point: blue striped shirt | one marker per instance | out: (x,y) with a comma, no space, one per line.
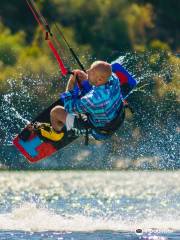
(101,103)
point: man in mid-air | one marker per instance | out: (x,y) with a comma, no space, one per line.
(95,94)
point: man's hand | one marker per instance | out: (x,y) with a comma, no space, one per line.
(78,76)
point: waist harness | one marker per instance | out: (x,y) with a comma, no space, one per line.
(113,125)
(100,133)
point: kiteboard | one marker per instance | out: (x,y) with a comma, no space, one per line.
(35,147)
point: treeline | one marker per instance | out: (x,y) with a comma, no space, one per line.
(145,33)
(101,29)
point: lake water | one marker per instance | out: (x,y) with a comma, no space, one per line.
(98,205)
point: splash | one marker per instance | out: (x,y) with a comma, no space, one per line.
(31,218)
(155,118)
(21,103)
(8,124)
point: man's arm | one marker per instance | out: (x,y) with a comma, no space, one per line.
(78,76)
(72,104)
(71,83)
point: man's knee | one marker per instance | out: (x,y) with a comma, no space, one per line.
(58,113)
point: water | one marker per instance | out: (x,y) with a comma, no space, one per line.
(89,205)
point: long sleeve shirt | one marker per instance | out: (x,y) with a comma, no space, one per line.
(101,103)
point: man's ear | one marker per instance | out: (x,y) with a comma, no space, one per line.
(100,80)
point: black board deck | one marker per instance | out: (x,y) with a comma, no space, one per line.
(35,147)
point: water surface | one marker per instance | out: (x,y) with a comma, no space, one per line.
(89,205)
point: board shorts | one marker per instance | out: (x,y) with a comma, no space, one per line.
(70,121)
(79,122)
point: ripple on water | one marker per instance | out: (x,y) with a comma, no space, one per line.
(89,201)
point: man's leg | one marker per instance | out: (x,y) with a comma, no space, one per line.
(58,119)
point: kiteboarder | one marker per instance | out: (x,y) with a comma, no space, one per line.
(92,100)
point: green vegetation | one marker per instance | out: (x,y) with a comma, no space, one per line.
(100,29)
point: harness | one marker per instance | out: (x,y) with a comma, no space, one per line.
(113,125)
(82,123)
